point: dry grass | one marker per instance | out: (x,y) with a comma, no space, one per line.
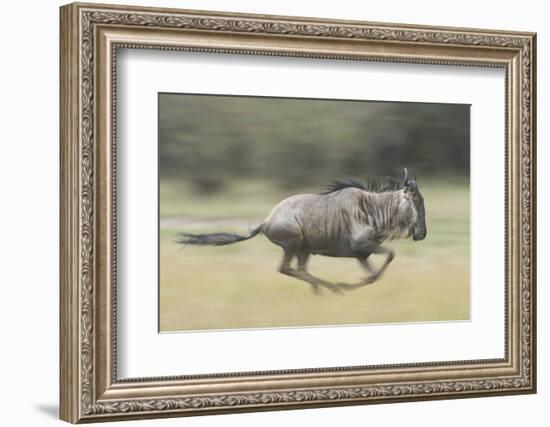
(238,286)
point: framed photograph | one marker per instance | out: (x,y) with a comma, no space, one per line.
(266,212)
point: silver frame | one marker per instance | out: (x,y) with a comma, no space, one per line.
(90,37)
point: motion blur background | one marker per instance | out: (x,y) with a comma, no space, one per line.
(226,161)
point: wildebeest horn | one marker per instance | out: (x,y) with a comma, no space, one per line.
(405,179)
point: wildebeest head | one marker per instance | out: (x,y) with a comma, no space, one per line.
(418,230)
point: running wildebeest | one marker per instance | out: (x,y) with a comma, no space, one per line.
(348,220)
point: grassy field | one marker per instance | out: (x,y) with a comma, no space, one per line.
(238,286)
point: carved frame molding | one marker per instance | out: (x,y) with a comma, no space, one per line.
(90,37)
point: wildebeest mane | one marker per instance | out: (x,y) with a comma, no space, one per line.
(373,185)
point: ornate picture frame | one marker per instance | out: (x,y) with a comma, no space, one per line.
(90,37)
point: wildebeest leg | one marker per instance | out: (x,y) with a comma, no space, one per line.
(285,268)
(366,265)
(302,274)
(390,255)
(374,276)
(310,278)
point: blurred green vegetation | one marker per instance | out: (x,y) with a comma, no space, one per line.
(210,140)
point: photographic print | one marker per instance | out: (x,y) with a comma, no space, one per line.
(287,212)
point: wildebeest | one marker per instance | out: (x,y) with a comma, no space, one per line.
(349,219)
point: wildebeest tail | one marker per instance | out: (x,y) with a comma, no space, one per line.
(216,239)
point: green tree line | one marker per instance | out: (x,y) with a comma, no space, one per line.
(211,140)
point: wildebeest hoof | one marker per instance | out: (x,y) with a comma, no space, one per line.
(334,288)
(347,286)
(316,290)
(371,279)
